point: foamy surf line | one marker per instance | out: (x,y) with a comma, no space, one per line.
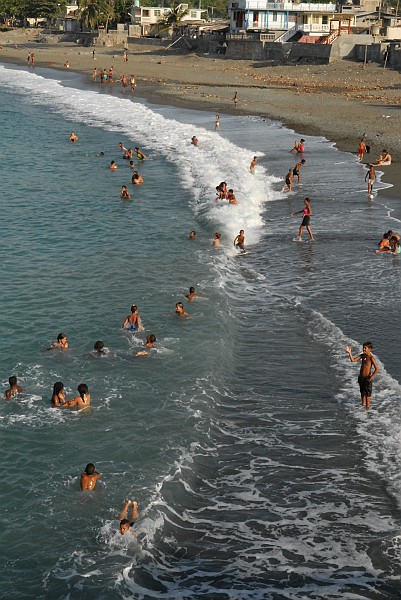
(380,428)
(201,169)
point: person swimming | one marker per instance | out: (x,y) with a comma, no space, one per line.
(81,401)
(58,396)
(179,310)
(194,140)
(216,240)
(136,178)
(239,241)
(126,524)
(133,321)
(191,294)
(73,137)
(140,155)
(113,166)
(14,388)
(150,343)
(61,343)
(125,195)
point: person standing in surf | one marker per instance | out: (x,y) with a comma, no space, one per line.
(239,241)
(371,177)
(365,374)
(307,213)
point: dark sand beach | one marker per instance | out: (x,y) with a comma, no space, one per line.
(341,101)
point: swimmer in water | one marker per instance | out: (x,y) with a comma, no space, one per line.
(113,166)
(253,165)
(89,477)
(131,165)
(136,178)
(125,195)
(231,197)
(150,343)
(61,343)
(307,213)
(58,396)
(133,321)
(100,348)
(191,294)
(365,374)
(239,241)
(14,388)
(126,524)
(384,244)
(179,310)
(81,401)
(192,235)
(217,123)
(140,155)
(194,140)
(128,154)
(73,138)
(216,240)
(122,148)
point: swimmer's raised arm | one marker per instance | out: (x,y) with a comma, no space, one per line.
(352,358)
(124,511)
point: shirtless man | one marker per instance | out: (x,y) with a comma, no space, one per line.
(194,140)
(100,348)
(61,343)
(365,374)
(14,388)
(192,235)
(89,477)
(371,177)
(81,401)
(191,294)
(179,310)
(150,343)
(231,197)
(296,172)
(136,178)
(122,148)
(239,241)
(216,240)
(125,195)
(125,524)
(384,160)
(113,166)
(73,137)
(288,182)
(253,165)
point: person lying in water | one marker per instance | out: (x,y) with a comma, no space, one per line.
(126,524)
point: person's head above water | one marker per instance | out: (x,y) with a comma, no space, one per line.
(151,338)
(125,526)
(90,469)
(57,388)
(192,234)
(192,290)
(134,308)
(12,380)
(82,389)
(99,346)
(61,336)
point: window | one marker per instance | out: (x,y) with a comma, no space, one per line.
(145,13)
(315,19)
(275,17)
(325,20)
(194,14)
(157,13)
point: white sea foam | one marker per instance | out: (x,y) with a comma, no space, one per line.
(202,168)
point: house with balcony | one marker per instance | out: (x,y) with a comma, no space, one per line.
(313,19)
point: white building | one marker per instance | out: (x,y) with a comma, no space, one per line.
(262,15)
(147,16)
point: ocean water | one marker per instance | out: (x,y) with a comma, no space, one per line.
(257,473)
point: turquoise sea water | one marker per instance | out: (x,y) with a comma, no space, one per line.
(256,473)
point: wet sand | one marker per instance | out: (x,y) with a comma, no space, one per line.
(341,101)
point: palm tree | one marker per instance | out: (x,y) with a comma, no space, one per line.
(91,12)
(172,19)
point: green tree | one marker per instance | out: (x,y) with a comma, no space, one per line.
(171,20)
(11,9)
(43,9)
(95,12)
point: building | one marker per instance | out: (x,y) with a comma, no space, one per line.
(147,17)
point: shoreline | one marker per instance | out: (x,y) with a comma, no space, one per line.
(310,99)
